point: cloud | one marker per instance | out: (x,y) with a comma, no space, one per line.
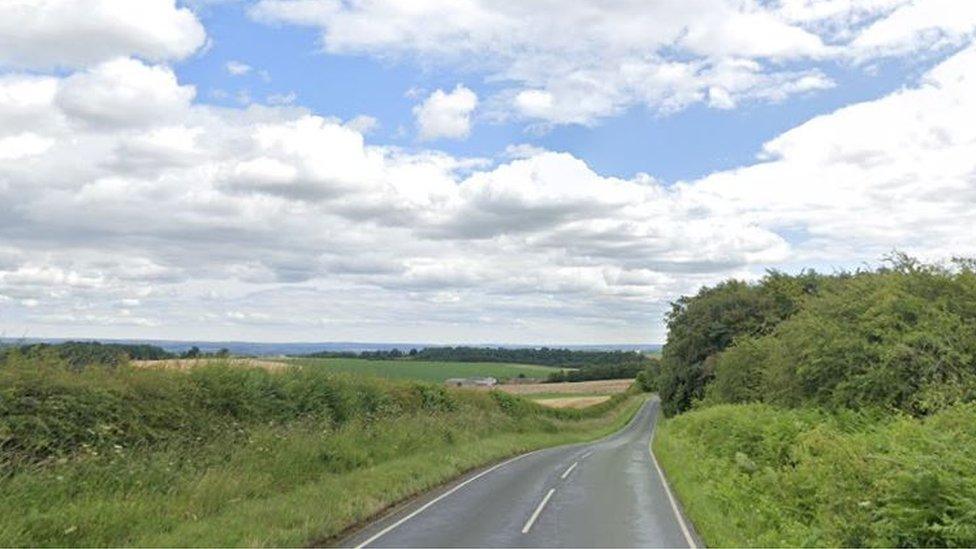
(76,33)
(918,26)
(579,62)
(236,68)
(897,172)
(363,124)
(446,115)
(523,150)
(21,145)
(119,192)
(123,92)
(282,98)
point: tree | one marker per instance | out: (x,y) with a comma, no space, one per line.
(703,325)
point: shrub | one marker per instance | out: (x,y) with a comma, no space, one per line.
(900,339)
(757,475)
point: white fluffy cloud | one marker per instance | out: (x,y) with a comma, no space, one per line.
(577,62)
(161,217)
(913,26)
(123,92)
(896,172)
(446,115)
(75,33)
(191,221)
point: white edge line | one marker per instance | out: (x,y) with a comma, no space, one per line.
(570,470)
(422,508)
(674,504)
(538,511)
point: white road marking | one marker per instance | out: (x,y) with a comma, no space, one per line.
(674,504)
(421,509)
(586,455)
(538,510)
(570,470)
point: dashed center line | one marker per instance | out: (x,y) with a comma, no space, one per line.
(440,497)
(538,510)
(570,470)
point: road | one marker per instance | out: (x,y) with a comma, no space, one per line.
(607,493)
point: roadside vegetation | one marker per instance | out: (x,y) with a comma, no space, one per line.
(228,455)
(825,410)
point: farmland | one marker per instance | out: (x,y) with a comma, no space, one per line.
(189,363)
(578,388)
(423,370)
(576,402)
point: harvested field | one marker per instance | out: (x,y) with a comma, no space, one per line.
(188,363)
(599,387)
(572,402)
(425,370)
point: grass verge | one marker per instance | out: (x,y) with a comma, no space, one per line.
(754,475)
(231,457)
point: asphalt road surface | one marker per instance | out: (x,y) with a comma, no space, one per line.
(608,493)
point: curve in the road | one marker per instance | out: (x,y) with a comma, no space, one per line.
(607,493)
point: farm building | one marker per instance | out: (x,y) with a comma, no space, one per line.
(471,382)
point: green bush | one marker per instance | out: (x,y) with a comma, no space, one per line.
(901,339)
(647,379)
(763,476)
(854,408)
(48,411)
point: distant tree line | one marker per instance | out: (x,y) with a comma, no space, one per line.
(603,371)
(195,352)
(79,354)
(544,356)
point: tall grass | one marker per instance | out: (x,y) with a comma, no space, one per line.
(755,475)
(235,456)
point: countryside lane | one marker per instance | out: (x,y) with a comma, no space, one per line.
(606,493)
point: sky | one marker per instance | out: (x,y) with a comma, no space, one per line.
(464,171)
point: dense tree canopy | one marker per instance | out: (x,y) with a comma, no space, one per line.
(701,326)
(902,337)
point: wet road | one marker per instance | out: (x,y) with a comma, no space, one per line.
(607,493)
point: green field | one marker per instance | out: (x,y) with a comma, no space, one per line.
(426,371)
